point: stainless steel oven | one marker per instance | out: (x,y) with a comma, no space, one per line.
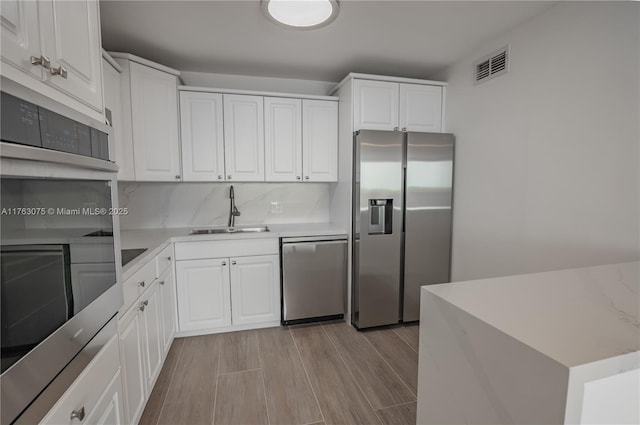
(58,258)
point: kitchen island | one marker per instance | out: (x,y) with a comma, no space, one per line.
(552,347)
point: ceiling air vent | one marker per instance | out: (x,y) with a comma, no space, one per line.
(492,65)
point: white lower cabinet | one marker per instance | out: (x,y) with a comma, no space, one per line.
(226,293)
(255,289)
(167,290)
(146,330)
(108,410)
(132,364)
(96,396)
(203,294)
(152,335)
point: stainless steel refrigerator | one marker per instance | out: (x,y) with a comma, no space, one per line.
(402,211)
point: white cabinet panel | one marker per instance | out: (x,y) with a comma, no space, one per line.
(154,117)
(244,137)
(109,409)
(420,108)
(202,136)
(168,296)
(164,260)
(20,36)
(70,32)
(131,360)
(89,389)
(219,249)
(203,294)
(255,291)
(113,113)
(283,139)
(153,338)
(89,281)
(375,105)
(320,140)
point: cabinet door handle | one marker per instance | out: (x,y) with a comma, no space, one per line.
(145,302)
(141,307)
(60,70)
(224,263)
(78,414)
(169,258)
(43,61)
(141,284)
(229,177)
(233,263)
(306,177)
(177,177)
(404,128)
(298,178)
(219,177)
(161,282)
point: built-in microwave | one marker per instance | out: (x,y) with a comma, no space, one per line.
(58,264)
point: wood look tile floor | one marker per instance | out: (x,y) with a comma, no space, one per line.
(313,374)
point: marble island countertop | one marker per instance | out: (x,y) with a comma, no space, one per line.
(157,239)
(573,316)
(553,347)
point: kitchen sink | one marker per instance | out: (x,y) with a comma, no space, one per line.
(229,230)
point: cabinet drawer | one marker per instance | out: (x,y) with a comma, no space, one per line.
(136,284)
(87,390)
(164,260)
(227,248)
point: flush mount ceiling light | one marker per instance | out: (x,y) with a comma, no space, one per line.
(301,14)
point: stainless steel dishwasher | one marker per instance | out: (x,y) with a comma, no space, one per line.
(314,278)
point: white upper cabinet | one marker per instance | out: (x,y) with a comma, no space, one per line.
(375,105)
(74,46)
(247,137)
(154,121)
(283,139)
(113,114)
(20,35)
(385,105)
(420,108)
(243,137)
(320,140)
(54,48)
(202,136)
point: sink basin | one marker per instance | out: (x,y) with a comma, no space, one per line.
(229,230)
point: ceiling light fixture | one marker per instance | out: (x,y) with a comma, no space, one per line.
(301,14)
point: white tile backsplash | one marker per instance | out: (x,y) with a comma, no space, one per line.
(160,205)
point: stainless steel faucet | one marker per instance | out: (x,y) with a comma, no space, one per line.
(233,211)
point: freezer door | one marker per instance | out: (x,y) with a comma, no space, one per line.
(377,224)
(314,279)
(429,184)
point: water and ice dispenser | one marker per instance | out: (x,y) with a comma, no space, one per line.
(380,216)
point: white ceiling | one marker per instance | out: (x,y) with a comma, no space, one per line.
(402,38)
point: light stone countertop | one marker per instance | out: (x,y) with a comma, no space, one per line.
(554,347)
(52,236)
(574,316)
(155,240)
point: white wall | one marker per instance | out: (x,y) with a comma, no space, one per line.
(547,155)
(246,82)
(158,205)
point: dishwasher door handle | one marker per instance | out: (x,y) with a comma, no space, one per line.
(296,244)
